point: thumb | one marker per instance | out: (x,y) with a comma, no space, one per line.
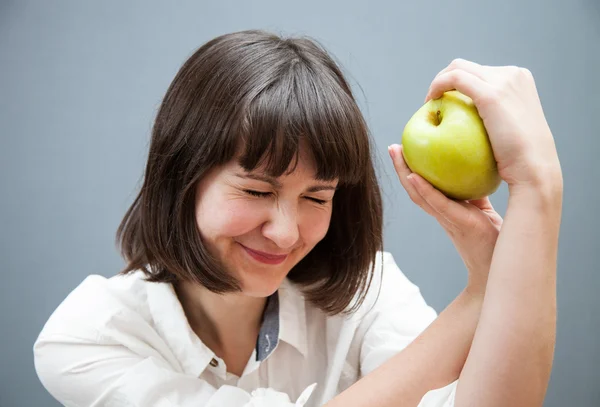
(482,203)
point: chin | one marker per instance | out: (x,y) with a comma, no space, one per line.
(256,279)
(260,291)
(256,285)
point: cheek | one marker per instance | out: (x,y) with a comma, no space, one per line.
(315,226)
(228,218)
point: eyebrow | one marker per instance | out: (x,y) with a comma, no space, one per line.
(277,185)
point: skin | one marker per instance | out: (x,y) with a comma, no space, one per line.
(235,210)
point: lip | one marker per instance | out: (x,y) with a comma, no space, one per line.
(265,258)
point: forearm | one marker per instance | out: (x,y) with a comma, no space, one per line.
(510,360)
(433,360)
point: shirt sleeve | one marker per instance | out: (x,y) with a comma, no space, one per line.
(79,372)
(393,321)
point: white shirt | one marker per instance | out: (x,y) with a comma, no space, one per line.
(123,341)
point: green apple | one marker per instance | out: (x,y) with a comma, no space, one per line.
(446,143)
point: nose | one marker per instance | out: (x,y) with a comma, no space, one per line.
(282,227)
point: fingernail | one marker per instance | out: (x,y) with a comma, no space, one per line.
(390,152)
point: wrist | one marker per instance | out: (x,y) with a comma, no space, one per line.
(474,291)
(543,196)
(546,182)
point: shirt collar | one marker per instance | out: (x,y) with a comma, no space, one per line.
(292,317)
(193,355)
(172,325)
(268,336)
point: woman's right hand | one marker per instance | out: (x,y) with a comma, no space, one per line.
(507,101)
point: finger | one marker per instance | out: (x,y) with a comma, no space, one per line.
(421,192)
(469,66)
(453,212)
(400,164)
(485,205)
(463,81)
(459,63)
(403,173)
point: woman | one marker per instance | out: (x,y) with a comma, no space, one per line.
(255,266)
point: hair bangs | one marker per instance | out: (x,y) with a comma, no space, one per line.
(304,109)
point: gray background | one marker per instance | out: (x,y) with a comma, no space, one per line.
(80,83)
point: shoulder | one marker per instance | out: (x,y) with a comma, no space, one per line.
(389,286)
(97,302)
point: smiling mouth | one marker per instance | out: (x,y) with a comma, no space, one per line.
(263,257)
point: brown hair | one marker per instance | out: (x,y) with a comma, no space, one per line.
(265,94)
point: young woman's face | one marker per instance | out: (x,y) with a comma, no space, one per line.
(260,228)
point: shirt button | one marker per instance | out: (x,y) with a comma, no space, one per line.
(214,362)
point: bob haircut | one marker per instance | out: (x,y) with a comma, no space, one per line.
(255,96)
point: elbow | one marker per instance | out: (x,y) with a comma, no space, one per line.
(46,360)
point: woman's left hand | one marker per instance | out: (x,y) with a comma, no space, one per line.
(473,226)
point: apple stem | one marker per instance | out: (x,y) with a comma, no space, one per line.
(435,118)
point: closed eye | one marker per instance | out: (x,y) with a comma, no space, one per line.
(319,201)
(260,194)
(257,193)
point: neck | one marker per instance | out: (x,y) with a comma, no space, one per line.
(221,321)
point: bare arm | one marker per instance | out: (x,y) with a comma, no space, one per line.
(511,357)
(434,359)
